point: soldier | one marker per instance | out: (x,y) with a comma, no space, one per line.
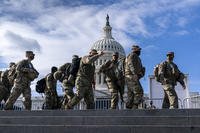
(62,75)
(25,74)
(6,75)
(169,76)
(114,76)
(69,82)
(85,81)
(6,84)
(51,96)
(133,72)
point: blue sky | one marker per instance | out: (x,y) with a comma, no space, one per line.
(55,30)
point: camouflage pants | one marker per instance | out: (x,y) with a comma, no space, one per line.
(51,101)
(69,94)
(4,94)
(84,90)
(170,97)
(134,94)
(114,94)
(16,92)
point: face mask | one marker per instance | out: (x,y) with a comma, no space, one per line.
(171,58)
(31,57)
(138,53)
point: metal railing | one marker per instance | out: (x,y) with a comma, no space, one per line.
(15,107)
(104,103)
(192,102)
(157,102)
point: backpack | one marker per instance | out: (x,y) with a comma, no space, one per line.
(157,71)
(75,66)
(40,85)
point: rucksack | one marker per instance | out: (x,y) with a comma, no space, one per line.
(75,66)
(157,71)
(40,85)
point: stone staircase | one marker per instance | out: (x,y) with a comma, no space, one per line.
(101,121)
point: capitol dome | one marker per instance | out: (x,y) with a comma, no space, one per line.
(109,45)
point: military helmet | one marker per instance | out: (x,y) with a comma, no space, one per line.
(170,53)
(115,54)
(29,53)
(136,48)
(54,69)
(75,56)
(57,75)
(11,64)
(93,51)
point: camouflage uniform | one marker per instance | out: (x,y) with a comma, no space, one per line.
(4,93)
(68,86)
(133,67)
(170,74)
(84,81)
(113,79)
(6,84)
(25,74)
(51,96)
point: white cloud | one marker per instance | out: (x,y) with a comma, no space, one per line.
(182,21)
(21,43)
(163,21)
(182,32)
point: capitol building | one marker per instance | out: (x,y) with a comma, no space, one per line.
(102,97)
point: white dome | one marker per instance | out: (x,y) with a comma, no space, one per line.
(108,45)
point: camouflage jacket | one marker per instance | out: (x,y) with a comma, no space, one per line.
(111,70)
(65,69)
(4,79)
(133,65)
(25,72)
(170,73)
(87,68)
(51,84)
